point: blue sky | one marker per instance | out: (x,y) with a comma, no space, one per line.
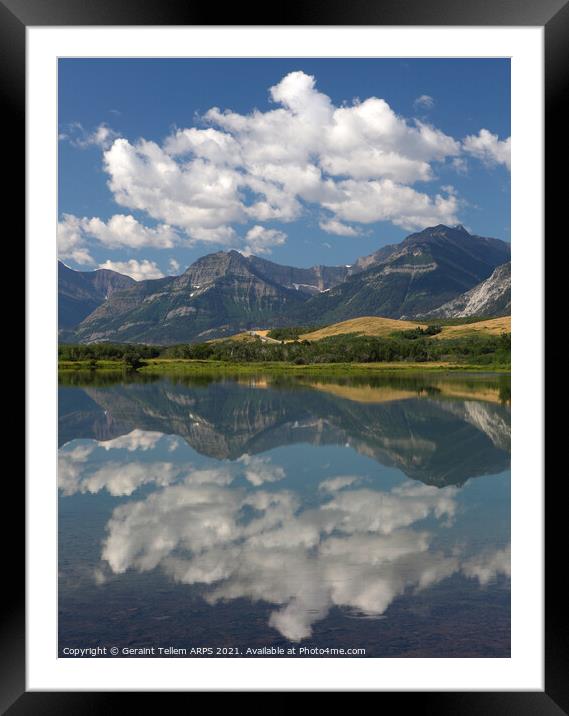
(304,161)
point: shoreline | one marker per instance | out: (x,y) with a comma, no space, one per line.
(188,366)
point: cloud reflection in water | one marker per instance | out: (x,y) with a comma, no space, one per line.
(358,548)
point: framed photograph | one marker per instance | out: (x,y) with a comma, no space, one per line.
(280,433)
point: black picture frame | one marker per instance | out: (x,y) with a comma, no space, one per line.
(553,15)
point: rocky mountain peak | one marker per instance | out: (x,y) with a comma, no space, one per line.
(212,267)
(435,233)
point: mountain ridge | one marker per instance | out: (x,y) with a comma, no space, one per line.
(215,293)
(226,291)
(491,297)
(81,292)
(424,271)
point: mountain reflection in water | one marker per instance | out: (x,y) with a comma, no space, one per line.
(440,433)
(310,500)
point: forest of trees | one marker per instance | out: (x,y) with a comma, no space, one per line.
(412,346)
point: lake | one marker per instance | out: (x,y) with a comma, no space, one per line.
(246,516)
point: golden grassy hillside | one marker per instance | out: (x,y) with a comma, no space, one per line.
(384,327)
(493,326)
(366,325)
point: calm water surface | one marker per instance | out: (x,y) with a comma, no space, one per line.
(270,512)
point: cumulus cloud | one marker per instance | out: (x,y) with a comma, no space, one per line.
(76,236)
(71,241)
(488,148)
(385,200)
(305,153)
(333,226)
(198,196)
(138,270)
(209,144)
(120,231)
(260,240)
(220,181)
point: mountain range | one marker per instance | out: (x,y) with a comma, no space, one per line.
(440,271)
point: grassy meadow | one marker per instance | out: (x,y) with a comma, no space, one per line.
(369,343)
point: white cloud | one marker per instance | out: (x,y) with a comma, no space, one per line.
(275,165)
(360,161)
(425,101)
(138,270)
(333,226)
(125,231)
(71,241)
(209,144)
(197,196)
(102,136)
(488,148)
(384,200)
(121,231)
(260,240)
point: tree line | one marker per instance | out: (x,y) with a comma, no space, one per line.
(348,348)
